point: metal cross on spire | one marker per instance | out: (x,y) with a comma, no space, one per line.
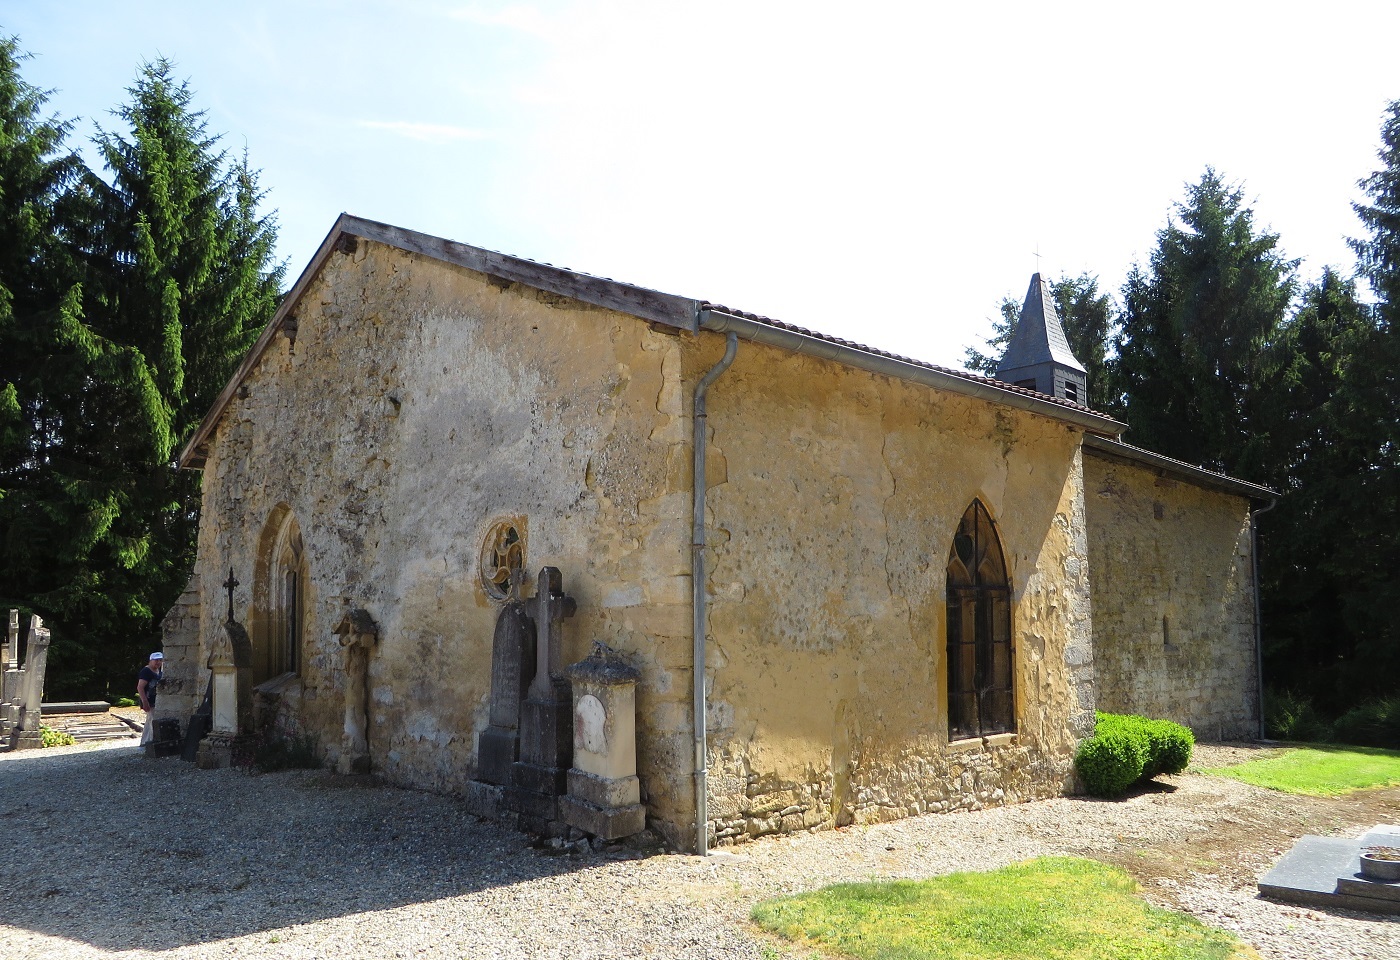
(229,584)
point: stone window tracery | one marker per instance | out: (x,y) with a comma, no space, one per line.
(502,558)
(981,675)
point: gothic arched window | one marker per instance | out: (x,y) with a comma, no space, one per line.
(289,599)
(981,678)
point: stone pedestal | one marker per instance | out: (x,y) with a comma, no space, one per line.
(215,752)
(604,796)
(230,663)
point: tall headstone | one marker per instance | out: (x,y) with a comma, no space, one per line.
(604,793)
(9,680)
(32,686)
(512,670)
(540,776)
(231,665)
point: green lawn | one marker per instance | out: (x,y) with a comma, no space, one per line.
(1051,908)
(1319,771)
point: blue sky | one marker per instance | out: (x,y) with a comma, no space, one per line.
(884,172)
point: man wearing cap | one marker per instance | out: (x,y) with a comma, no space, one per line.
(146,690)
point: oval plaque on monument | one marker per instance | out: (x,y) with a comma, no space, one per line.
(590,723)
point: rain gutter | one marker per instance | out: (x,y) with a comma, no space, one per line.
(699,419)
(1258,621)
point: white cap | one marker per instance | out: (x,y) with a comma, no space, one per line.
(157,656)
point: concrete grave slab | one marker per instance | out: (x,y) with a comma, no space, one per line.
(1325,872)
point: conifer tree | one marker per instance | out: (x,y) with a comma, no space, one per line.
(54,505)
(1368,422)
(171,281)
(1306,416)
(1194,326)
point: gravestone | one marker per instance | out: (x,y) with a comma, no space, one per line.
(512,670)
(604,794)
(540,776)
(231,663)
(9,680)
(31,687)
(1326,872)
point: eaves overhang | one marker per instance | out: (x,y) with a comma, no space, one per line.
(1120,452)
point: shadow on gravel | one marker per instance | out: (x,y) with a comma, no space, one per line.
(1136,790)
(117,851)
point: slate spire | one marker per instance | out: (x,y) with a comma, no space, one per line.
(1038,355)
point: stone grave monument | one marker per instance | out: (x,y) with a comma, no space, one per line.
(231,663)
(512,671)
(539,777)
(24,686)
(604,796)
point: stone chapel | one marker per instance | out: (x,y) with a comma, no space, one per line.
(847,586)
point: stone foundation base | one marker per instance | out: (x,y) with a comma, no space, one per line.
(541,827)
(353,764)
(605,792)
(609,823)
(215,752)
(484,800)
(497,750)
(528,803)
(535,792)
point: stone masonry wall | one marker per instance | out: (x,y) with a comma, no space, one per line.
(834,495)
(419,403)
(184,676)
(1173,607)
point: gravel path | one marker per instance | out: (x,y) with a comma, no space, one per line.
(107,852)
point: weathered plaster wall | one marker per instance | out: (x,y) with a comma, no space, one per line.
(1173,611)
(833,498)
(419,403)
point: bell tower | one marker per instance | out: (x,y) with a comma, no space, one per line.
(1038,356)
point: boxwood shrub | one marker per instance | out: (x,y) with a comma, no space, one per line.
(1127,749)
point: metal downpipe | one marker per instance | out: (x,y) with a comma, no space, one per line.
(1258,621)
(697,582)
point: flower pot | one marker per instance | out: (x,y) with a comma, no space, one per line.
(1374,868)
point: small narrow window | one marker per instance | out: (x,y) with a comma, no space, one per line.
(1071,391)
(291,565)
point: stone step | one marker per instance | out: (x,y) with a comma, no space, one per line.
(105,732)
(82,706)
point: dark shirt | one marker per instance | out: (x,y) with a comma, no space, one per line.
(152,678)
